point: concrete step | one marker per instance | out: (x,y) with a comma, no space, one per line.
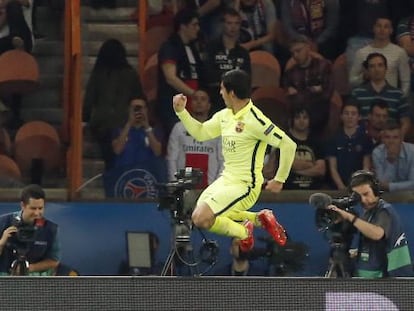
(43,98)
(92,167)
(51,81)
(50,64)
(91,48)
(117,15)
(91,149)
(45,47)
(52,115)
(89,62)
(125,32)
(118,3)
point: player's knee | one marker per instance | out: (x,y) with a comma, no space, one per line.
(201,220)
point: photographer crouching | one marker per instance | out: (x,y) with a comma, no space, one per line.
(383,248)
(29,242)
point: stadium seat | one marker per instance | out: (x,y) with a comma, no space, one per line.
(37,141)
(36,128)
(272,102)
(156,36)
(340,75)
(265,69)
(9,168)
(150,77)
(19,73)
(334,115)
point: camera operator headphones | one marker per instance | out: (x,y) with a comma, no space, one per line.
(364,176)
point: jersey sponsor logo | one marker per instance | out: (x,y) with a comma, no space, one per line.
(136,183)
(269,129)
(239,127)
(228,145)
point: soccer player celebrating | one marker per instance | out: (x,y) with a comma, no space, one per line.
(245,132)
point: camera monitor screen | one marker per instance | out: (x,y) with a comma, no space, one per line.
(139,249)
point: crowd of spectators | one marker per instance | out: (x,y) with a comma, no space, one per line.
(212,37)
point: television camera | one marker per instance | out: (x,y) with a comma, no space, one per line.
(20,244)
(176,197)
(339,233)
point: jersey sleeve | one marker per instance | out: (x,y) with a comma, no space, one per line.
(201,131)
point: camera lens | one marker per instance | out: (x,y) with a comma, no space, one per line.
(137,108)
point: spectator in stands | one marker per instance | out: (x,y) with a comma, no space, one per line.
(184,151)
(405,38)
(223,54)
(350,149)
(258,28)
(209,12)
(136,142)
(382,247)
(357,20)
(309,167)
(309,82)
(43,253)
(112,84)
(394,160)
(377,87)
(5,144)
(15,32)
(180,66)
(376,121)
(398,72)
(316,20)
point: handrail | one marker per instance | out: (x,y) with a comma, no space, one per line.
(72,123)
(142,23)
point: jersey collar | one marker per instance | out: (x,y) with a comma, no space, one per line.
(244,110)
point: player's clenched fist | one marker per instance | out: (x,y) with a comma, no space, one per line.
(179,102)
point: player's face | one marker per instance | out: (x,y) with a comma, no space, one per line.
(226,96)
(33,210)
(368,198)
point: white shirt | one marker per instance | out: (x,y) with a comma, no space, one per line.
(183,150)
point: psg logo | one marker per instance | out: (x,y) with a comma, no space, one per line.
(136,184)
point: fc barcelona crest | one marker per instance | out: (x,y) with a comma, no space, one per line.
(239,127)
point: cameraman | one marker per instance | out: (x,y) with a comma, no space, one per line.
(383,247)
(39,246)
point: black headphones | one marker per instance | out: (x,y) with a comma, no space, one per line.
(363,176)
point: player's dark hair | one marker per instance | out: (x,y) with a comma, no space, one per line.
(239,82)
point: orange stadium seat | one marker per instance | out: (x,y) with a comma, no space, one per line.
(19,72)
(37,140)
(340,75)
(150,77)
(334,115)
(273,103)
(265,69)
(9,168)
(156,36)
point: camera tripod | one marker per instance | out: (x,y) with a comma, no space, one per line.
(20,266)
(181,250)
(338,266)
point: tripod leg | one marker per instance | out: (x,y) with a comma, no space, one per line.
(168,263)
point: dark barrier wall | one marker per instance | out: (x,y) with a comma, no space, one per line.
(93,234)
(208,293)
